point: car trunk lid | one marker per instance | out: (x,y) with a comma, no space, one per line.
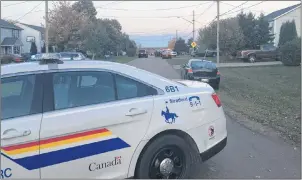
(204,72)
(194,84)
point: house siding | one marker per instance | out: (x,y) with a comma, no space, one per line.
(293,15)
(6,33)
(27,31)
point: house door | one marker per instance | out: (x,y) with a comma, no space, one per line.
(7,50)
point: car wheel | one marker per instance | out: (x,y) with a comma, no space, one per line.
(252,58)
(216,87)
(167,157)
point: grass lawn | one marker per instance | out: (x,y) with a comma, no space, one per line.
(269,95)
(123,59)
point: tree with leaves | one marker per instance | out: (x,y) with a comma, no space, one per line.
(180,45)
(189,42)
(65,26)
(231,36)
(75,26)
(247,23)
(33,48)
(262,31)
(43,49)
(86,8)
(96,38)
(288,32)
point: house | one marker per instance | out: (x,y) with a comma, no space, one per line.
(277,18)
(10,38)
(31,34)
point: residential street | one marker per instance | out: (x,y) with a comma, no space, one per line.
(248,153)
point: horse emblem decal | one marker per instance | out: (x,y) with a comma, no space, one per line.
(169,116)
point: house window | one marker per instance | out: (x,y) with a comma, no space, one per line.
(16,49)
(16,33)
(30,39)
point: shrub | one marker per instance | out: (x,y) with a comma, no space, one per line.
(290,52)
(33,48)
(288,32)
(6,59)
(131,52)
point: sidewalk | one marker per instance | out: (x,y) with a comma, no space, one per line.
(242,64)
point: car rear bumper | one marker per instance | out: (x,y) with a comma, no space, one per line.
(214,150)
(142,55)
(209,80)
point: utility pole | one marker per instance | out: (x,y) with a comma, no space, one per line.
(193,26)
(46,26)
(217,55)
(176,35)
(0,30)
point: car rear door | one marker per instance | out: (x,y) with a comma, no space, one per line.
(21,110)
(96,122)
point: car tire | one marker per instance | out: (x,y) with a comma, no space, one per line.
(252,58)
(184,155)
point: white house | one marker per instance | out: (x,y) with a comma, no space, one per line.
(11,42)
(277,18)
(31,33)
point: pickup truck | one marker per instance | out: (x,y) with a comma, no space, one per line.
(253,55)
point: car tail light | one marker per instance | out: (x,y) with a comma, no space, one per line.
(18,59)
(190,70)
(218,73)
(216,99)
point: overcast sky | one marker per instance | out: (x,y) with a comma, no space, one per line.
(147,18)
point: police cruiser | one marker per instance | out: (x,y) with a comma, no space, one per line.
(94,119)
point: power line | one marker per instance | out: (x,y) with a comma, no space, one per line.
(114,2)
(233,8)
(150,17)
(244,8)
(16,3)
(206,9)
(165,9)
(204,12)
(29,11)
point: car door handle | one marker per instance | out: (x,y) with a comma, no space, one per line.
(13,133)
(135,112)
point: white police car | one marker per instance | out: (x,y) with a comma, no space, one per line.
(93,119)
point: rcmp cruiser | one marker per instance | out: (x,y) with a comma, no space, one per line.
(94,119)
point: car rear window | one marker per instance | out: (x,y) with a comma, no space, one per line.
(142,51)
(202,64)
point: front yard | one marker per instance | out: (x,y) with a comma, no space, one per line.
(267,95)
(123,59)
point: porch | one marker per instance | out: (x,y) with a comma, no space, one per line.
(11,45)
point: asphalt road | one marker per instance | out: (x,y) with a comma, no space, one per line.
(248,154)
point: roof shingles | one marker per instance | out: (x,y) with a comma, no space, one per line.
(38,28)
(5,24)
(275,14)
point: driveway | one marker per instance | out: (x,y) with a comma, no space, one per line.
(248,153)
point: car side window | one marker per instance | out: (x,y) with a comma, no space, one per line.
(74,89)
(128,88)
(17,96)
